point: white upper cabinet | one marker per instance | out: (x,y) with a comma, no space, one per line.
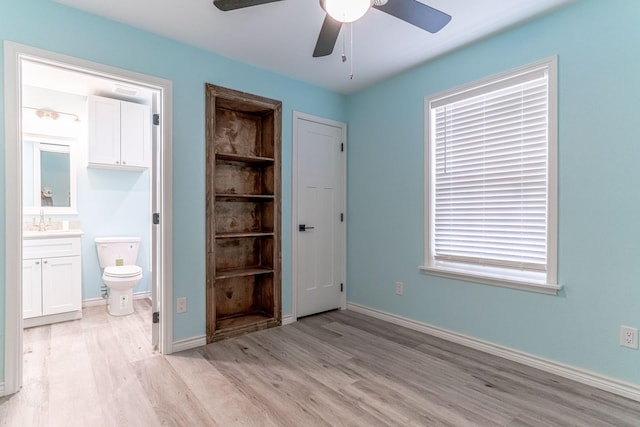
(119,134)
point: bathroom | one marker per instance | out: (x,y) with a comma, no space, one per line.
(70,192)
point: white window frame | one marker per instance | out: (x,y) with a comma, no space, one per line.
(543,282)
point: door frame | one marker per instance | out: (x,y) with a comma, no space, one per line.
(295,172)
(14,53)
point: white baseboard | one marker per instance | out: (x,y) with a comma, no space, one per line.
(51,318)
(2,388)
(200,341)
(142,295)
(188,343)
(287,320)
(93,302)
(621,388)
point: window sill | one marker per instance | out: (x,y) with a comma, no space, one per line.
(505,282)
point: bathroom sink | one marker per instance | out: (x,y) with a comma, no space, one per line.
(50,234)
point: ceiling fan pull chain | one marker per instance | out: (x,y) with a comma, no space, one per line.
(351,52)
(344,47)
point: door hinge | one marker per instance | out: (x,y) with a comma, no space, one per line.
(342,147)
(341,217)
(156,317)
(341,287)
(156,119)
(156,218)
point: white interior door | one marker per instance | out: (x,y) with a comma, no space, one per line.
(319,234)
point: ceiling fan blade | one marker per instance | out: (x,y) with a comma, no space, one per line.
(227,5)
(327,37)
(416,13)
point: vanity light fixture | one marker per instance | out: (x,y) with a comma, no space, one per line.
(49,114)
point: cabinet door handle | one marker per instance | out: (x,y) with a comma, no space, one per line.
(44,262)
(37,262)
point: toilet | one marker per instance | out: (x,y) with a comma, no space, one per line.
(117,257)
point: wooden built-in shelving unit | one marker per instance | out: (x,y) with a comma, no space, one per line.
(243,212)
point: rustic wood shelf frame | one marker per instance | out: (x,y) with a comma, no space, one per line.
(243,209)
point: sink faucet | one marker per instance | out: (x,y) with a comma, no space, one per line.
(42,226)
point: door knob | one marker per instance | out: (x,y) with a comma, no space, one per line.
(303,227)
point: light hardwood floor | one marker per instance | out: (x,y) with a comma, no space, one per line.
(333,369)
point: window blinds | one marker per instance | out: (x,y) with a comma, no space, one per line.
(489,149)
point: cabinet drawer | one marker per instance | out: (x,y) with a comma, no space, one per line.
(45,248)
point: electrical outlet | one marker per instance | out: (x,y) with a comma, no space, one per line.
(181,305)
(629,337)
(399,288)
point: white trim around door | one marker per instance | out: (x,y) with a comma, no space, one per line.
(14,54)
(295,171)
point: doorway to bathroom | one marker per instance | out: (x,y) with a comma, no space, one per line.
(48,103)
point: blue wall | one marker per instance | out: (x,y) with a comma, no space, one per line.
(48,25)
(599,206)
(113,203)
(599,201)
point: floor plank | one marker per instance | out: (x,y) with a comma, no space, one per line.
(172,401)
(225,404)
(335,369)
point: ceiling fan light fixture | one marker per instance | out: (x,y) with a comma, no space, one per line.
(346,10)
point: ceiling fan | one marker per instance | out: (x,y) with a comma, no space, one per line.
(410,11)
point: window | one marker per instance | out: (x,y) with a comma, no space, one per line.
(491,180)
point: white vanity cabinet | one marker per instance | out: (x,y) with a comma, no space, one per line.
(51,280)
(119,134)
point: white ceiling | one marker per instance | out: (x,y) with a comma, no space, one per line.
(281,36)
(60,79)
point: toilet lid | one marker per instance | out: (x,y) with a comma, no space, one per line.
(123,271)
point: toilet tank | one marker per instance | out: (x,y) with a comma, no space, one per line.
(117,250)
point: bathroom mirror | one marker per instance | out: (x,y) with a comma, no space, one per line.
(48,178)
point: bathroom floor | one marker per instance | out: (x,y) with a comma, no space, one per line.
(71,368)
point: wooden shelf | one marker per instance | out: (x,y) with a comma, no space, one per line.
(245,159)
(246,322)
(244,197)
(244,138)
(241,235)
(240,272)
